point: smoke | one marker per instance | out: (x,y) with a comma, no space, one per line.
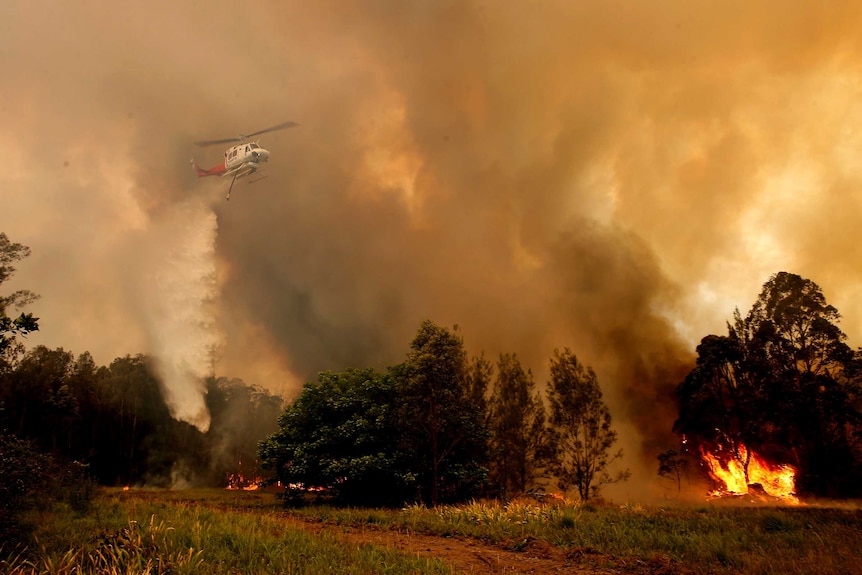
(612,178)
(178,290)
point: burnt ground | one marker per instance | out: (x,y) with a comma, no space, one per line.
(465,555)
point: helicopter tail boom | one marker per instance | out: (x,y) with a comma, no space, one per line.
(216,171)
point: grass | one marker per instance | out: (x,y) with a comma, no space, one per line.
(704,539)
(213,531)
(162,532)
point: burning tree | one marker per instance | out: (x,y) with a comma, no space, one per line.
(782,384)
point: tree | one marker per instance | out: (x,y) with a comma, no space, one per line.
(242,415)
(673,465)
(784,383)
(479,374)
(24,323)
(519,440)
(444,440)
(339,436)
(36,396)
(719,404)
(580,427)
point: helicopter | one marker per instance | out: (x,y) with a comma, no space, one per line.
(242,159)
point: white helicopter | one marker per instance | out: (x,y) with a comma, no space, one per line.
(242,159)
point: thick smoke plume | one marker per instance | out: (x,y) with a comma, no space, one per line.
(614,178)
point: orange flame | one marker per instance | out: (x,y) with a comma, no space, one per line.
(236,481)
(777,481)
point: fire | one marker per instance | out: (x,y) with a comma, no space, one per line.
(236,481)
(239,482)
(778,481)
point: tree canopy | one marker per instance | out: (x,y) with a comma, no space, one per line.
(784,383)
(25,322)
(580,427)
(337,436)
(519,437)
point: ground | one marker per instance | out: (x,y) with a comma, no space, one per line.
(465,555)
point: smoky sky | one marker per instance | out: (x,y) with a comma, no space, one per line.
(611,177)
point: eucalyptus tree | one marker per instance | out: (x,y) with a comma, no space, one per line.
(581,429)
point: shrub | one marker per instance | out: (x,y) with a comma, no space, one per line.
(33,480)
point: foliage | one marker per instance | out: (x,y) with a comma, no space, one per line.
(784,383)
(242,416)
(338,436)
(24,323)
(580,428)
(361,437)
(115,420)
(479,375)
(34,480)
(443,437)
(519,439)
(673,466)
(24,472)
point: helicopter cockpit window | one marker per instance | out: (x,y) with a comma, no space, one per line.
(254,146)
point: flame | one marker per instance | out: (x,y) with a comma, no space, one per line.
(778,481)
(237,481)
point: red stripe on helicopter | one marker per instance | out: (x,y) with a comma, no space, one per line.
(216,171)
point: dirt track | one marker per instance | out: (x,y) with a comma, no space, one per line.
(464,555)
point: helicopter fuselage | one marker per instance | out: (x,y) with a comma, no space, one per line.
(240,160)
(244,156)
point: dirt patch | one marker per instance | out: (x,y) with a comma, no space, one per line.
(465,555)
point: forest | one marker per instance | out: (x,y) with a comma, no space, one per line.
(441,426)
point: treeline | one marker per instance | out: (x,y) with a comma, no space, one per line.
(442,427)
(439,427)
(114,420)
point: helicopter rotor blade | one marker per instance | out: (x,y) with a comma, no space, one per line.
(271,129)
(244,137)
(214,142)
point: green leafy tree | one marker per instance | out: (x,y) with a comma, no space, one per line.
(580,427)
(25,322)
(339,436)
(519,439)
(444,440)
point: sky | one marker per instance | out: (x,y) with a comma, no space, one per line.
(612,177)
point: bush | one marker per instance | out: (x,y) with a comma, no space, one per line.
(33,480)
